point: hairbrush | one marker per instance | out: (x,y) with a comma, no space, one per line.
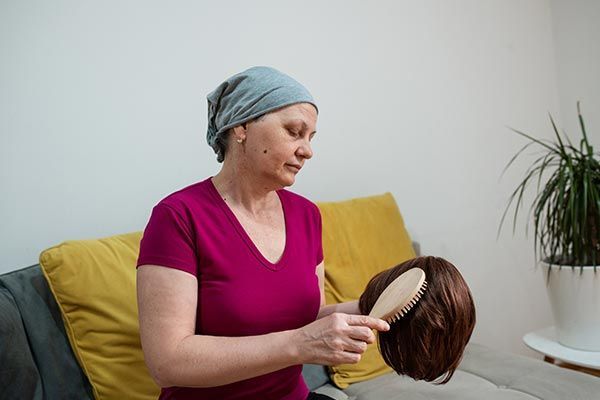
(400,296)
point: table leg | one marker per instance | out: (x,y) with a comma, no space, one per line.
(549,359)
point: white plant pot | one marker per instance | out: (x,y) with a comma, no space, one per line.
(575,302)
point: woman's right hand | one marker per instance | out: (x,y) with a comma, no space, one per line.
(337,338)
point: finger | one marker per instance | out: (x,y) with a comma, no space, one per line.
(350,357)
(365,320)
(361,333)
(355,346)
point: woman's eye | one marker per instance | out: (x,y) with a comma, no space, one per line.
(294,134)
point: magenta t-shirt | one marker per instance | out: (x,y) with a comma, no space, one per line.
(240,293)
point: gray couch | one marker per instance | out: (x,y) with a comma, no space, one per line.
(484,374)
(36,361)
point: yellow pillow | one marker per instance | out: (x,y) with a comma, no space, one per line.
(94,284)
(361,237)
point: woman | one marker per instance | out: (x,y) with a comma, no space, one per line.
(230,271)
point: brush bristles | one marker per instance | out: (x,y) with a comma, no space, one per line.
(410,304)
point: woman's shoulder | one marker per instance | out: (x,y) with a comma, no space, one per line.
(299,201)
(191,196)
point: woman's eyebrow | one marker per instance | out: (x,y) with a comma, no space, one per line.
(304,126)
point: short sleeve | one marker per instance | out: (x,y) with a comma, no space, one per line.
(319,236)
(168,241)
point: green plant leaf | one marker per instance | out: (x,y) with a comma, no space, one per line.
(538,141)
(514,158)
(566,207)
(581,123)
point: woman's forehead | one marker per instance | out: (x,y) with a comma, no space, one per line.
(302,113)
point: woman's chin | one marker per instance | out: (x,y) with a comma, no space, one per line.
(291,181)
(288,180)
(284,179)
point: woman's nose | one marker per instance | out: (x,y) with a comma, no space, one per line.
(305,150)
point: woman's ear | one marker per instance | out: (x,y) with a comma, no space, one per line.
(239,132)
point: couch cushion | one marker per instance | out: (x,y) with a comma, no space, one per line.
(485,373)
(19,377)
(314,375)
(36,360)
(361,237)
(94,282)
(333,392)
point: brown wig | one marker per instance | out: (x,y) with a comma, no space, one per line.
(430,339)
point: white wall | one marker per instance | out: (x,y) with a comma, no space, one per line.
(103,113)
(577,43)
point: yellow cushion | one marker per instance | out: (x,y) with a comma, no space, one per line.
(361,237)
(94,284)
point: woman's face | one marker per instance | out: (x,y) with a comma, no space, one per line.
(278,145)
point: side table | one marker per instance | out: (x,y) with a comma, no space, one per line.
(545,341)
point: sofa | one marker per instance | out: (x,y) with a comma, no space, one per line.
(43,330)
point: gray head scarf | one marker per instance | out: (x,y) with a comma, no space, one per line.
(248,95)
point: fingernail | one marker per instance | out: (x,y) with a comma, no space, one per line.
(387,326)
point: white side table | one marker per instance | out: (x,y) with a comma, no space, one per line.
(545,341)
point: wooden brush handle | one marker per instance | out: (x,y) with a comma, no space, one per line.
(399,294)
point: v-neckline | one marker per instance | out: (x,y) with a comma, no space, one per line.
(244,235)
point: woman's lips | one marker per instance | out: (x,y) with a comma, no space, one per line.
(294,167)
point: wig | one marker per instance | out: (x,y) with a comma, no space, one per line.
(428,342)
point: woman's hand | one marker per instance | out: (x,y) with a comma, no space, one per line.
(336,339)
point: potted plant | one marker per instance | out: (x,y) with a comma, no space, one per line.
(566,213)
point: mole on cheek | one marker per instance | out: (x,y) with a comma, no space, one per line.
(265,151)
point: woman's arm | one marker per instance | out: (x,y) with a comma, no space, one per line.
(175,356)
(350,307)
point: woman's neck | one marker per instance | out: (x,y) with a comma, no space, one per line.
(240,188)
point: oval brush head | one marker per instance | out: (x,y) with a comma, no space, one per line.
(400,296)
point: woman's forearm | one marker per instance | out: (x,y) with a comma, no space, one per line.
(206,361)
(230,359)
(350,307)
